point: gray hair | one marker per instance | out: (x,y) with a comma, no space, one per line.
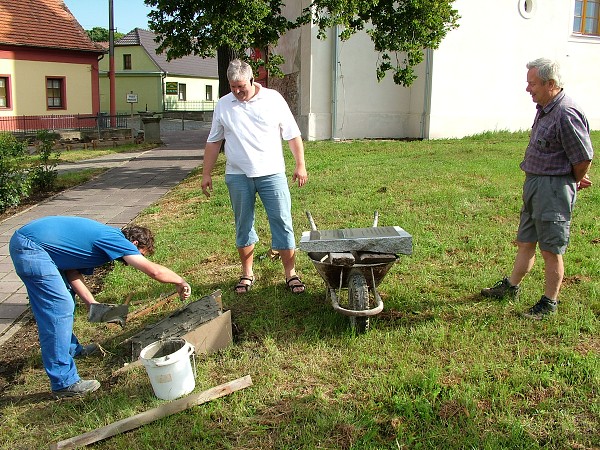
(547,70)
(239,70)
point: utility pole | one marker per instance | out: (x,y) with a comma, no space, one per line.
(111,62)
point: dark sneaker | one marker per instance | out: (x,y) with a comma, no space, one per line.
(541,309)
(88,350)
(82,387)
(501,289)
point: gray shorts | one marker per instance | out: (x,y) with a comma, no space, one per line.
(548,202)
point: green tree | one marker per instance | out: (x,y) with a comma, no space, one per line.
(14,179)
(207,27)
(400,29)
(99,34)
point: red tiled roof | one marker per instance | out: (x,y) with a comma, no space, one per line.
(42,23)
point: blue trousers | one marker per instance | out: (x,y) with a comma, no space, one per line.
(274,193)
(52,304)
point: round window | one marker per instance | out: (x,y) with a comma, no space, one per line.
(527,8)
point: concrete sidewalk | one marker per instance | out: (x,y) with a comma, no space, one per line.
(133,182)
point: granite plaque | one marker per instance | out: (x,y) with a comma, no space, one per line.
(390,239)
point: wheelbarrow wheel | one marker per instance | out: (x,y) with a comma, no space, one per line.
(358,299)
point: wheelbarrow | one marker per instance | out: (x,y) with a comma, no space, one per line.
(355,260)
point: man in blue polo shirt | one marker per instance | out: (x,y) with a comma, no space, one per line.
(556,166)
(51,255)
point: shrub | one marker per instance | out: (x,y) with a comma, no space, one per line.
(44,174)
(14,178)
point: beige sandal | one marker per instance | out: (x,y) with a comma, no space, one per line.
(295,288)
(245,286)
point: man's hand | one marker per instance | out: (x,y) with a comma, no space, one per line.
(207,185)
(184,290)
(300,176)
(585,182)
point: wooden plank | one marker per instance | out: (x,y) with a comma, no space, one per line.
(212,335)
(375,258)
(341,258)
(151,415)
(153,307)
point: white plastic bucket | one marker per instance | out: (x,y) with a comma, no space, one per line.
(168,365)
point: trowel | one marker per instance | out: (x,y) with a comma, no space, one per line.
(109,313)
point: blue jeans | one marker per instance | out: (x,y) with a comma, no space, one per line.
(275,196)
(52,303)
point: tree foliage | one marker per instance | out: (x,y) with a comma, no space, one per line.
(14,179)
(400,29)
(99,34)
(201,27)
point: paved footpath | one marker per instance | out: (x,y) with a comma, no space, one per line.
(133,182)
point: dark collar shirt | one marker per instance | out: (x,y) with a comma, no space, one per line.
(560,139)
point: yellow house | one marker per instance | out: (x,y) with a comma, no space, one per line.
(48,64)
(155,84)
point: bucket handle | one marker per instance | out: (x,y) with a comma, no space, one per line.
(166,362)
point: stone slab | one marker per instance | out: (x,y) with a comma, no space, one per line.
(187,321)
(391,239)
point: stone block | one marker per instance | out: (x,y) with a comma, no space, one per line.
(202,323)
(391,239)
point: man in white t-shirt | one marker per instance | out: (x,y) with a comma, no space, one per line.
(253,120)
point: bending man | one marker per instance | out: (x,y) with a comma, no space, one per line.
(51,255)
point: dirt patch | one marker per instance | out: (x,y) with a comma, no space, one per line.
(26,203)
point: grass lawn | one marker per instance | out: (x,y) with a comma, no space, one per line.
(440,367)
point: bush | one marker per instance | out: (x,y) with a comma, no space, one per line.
(15,182)
(44,174)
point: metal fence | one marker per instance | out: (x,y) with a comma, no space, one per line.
(203,105)
(77,122)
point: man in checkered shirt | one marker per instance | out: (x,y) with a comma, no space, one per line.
(556,166)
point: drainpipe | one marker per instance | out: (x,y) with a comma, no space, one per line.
(334,84)
(427,94)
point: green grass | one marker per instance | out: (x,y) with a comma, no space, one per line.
(440,368)
(89,153)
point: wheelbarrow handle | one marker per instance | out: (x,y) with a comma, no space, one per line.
(313,226)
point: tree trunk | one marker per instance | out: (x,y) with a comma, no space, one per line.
(224,55)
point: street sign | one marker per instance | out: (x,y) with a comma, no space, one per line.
(132,98)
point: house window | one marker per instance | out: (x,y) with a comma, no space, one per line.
(55,93)
(4,92)
(209,94)
(182,95)
(126,62)
(586,17)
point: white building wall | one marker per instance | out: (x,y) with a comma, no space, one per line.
(353,101)
(479,73)
(474,82)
